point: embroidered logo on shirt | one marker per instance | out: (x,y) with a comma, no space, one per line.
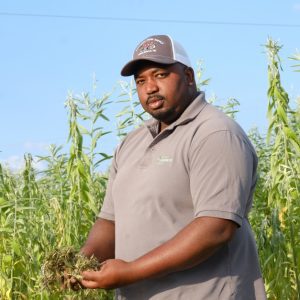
(164,160)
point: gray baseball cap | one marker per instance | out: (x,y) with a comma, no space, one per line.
(157,48)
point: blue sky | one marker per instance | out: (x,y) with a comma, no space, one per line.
(42,58)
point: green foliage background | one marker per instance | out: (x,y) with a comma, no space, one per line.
(53,208)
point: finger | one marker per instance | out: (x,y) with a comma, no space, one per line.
(89,275)
(89,284)
(73,280)
(74,284)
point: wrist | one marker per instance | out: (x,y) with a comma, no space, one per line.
(135,272)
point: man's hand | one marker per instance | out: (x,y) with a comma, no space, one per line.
(113,273)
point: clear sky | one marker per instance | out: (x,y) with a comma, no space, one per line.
(44,57)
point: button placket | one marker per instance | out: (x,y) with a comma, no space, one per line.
(147,158)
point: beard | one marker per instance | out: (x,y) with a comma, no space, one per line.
(166,116)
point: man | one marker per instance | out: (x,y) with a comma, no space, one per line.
(174,220)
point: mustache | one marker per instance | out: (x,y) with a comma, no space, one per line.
(155,97)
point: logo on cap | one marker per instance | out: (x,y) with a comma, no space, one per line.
(148,46)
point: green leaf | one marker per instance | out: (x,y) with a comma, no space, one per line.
(292,137)
(83,130)
(16,247)
(296,146)
(282,113)
(7,259)
(2,201)
(104,117)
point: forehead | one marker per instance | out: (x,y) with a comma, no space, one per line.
(145,66)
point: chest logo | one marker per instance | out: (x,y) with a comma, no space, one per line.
(164,160)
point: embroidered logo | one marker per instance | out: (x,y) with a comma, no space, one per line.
(148,46)
(164,160)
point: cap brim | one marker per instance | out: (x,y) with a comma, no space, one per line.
(131,67)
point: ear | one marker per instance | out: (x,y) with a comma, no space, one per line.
(190,76)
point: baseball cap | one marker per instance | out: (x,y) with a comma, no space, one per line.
(157,48)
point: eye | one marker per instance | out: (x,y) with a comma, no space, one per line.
(139,81)
(161,75)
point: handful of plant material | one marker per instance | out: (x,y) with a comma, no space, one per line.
(61,265)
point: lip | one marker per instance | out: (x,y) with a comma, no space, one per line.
(155,103)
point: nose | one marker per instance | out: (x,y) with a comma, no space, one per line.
(151,86)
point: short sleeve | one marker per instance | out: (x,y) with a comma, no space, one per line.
(222,175)
(107,209)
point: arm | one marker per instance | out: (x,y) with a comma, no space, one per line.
(101,240)
(191,246)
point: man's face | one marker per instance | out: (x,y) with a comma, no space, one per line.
(164,90)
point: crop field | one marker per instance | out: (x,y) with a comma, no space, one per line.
(41,211)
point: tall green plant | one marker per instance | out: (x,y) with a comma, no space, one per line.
(42,210)
(132,115)
(277,218)
(82,162)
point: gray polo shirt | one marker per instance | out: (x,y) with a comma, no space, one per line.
(201,165)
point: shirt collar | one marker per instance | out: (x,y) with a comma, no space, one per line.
(189,114)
